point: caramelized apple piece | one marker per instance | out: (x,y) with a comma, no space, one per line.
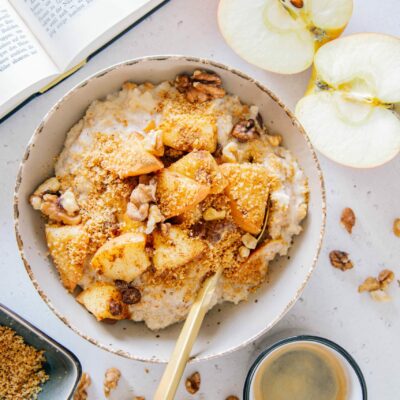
(202,167)
(174,248)
(177,194)
(123,257)
(248,191)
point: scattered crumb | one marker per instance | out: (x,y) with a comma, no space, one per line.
(111,379)
(81,390)
(396,227)
(192,383)
(348,219)
(377,286)
(340,259)
(139,398)
(146,370)
(232,398)
(21,367)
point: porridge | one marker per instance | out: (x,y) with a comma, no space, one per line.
(155,187)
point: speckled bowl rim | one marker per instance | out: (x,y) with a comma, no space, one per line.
(161,58)
(305,338)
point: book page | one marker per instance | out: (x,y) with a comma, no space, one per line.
(70,29)
(23,62)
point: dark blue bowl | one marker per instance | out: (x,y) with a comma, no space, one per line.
(63,368)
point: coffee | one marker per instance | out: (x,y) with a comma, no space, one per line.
(301,371)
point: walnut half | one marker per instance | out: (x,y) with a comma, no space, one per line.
(111,379)
(139,204)
(81,390)
(49,186)
(192,383)
(52,207)
(348,219)
(340,259)
(200,87)
(377,286)
(244,130)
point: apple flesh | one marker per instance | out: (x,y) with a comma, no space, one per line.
(349,111)
(281,35)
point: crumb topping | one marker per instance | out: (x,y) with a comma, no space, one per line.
(21,367)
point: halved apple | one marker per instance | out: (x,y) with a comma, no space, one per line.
(349,111)
(281,35)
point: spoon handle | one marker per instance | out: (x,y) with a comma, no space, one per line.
(173,372)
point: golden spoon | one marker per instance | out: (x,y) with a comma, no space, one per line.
(173,372)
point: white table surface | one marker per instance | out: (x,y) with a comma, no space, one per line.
(330,305)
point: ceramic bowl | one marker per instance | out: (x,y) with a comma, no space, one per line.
(227,327)
(62,367)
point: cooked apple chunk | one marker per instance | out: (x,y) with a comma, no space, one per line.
(174,248)
(189,132)
(104,301)
(202,167)
(248,191)
(127,157)
(177,194)
(68,247)
(123,257)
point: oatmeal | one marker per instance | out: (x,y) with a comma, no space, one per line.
(156,186)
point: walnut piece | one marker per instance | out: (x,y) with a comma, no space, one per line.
(182,82)
(385,278)
(68,202)
(154,218)
(137,213)
(396,227)
(52,207)
(49,186)
(111,379)
(206,77)
(200,87)
(192,383)
(348,219)
(370,284)
(138,207)
(244,252)
(211,214)
(81,390)
(143,194)
(213,92)
(380,296)
(377,286)
(340,259)
(297,3)
(244,130)
(249,241)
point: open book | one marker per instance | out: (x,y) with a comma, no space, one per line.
(43,41)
